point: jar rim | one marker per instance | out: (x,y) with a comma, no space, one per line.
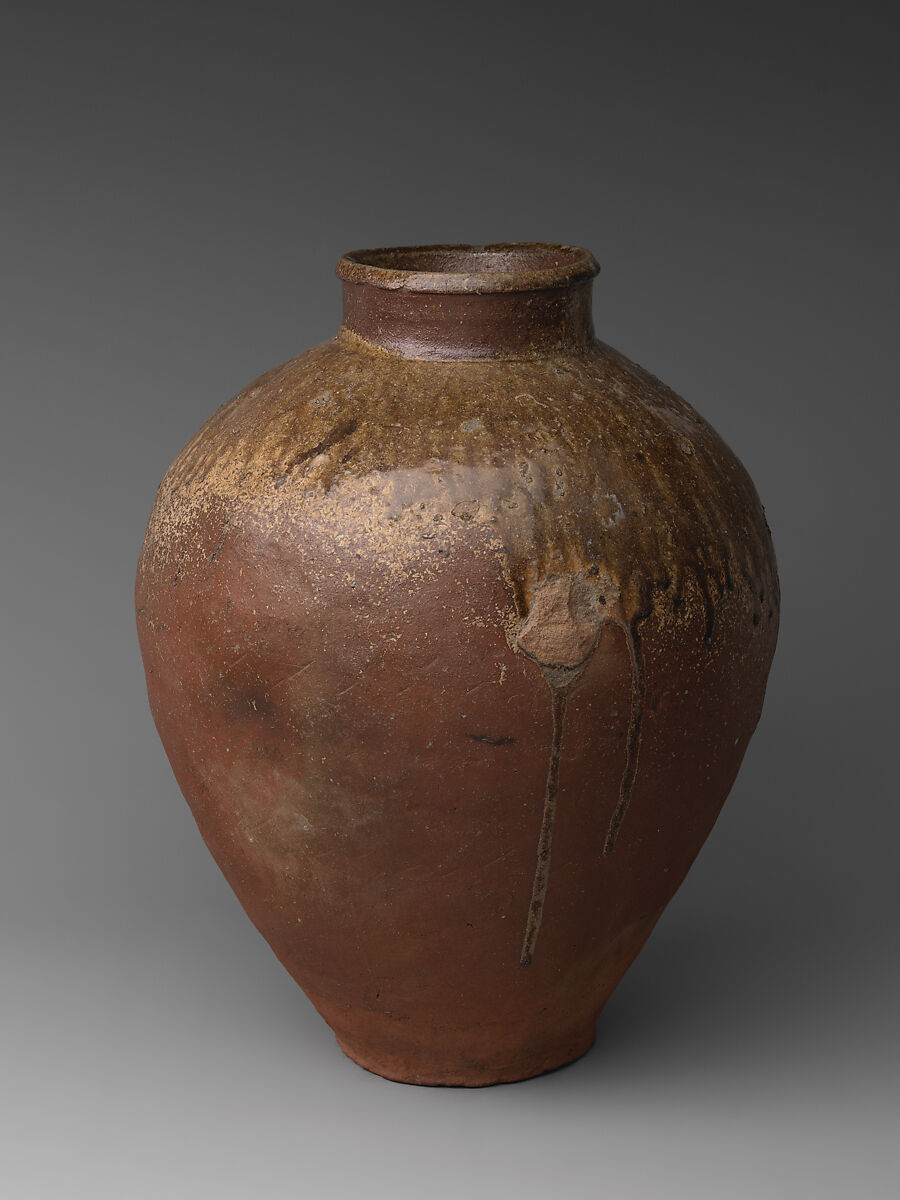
(463,267)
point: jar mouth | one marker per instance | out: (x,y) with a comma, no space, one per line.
(500,267)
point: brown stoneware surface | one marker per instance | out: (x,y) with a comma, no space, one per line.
(456,628)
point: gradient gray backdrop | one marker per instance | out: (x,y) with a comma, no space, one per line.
(179,180)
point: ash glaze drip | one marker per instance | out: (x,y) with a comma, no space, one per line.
(558,700)
(560,634)
(633,740)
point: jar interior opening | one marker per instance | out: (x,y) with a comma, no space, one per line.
(465,260)
(501,267)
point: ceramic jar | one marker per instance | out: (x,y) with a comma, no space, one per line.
(456,628)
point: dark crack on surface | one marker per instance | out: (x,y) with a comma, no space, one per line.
(344,430)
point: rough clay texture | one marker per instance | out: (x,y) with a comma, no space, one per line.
(562,624)
(455,663)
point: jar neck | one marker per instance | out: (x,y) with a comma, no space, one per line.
(515,300)
(497,325)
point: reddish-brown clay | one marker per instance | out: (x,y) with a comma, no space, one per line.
(456,628)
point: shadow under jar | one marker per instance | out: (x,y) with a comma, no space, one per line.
(456,628)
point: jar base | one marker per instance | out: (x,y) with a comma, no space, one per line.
(472,1075)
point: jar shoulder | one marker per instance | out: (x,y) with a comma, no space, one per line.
(345,409)
(571,463)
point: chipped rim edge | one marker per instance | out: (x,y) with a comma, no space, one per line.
(373,267)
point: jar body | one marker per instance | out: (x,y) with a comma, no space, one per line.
(455,663)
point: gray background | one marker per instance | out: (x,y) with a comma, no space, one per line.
(179,180)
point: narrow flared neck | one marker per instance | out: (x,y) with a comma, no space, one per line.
(512,300)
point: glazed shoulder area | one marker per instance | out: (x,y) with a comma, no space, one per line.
(571,463)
